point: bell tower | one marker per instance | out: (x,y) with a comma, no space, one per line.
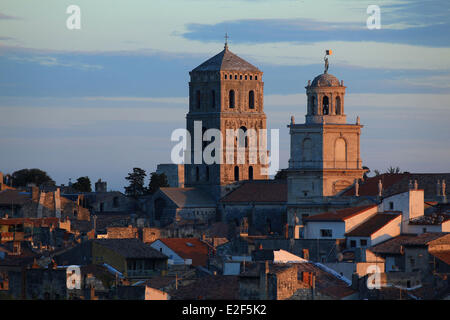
(225,92)
(325,150)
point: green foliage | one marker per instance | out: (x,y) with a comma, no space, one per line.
(22,177)
(83,184)
(157,181)
(136,186)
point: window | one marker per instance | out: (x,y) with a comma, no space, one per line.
(198,99)
(313,105)
(245,77)
(325,105)
(235,77)
(115,202)
(391,205)
(243,139)
(326,233)
(251,99)
(197,174)
(256,77)
(236,173)
(251,77)
(240,77)
(363,243)
(352,243)
(338,106)
(213,99)
(250,173)
(231,99)
(225,77)
(102,206)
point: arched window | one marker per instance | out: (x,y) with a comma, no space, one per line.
(198,100)
(338,105)
(313,105)
(207,173)
(340,150)
(243,139)
(231,98)
(250,173)
(213,98)
(325,106)
(307,149)
(197,174)
(256,77)
(236,173)
(251,99)
(225,77)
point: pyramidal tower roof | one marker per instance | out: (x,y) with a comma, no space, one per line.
(226,61)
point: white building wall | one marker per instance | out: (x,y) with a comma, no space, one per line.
(390,230)
(410,203)
(312,229)
(356,220)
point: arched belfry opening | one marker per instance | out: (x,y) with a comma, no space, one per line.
(325,106)
(231,99)
(198,99)
(243,139)
(338,106)
(313,105)
(251,99)
(236,173)
(250,173)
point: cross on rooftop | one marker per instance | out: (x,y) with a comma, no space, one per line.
(226,40)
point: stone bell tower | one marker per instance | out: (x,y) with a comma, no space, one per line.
(225,92)
(325,150)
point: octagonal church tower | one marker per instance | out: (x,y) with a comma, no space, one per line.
(325,150)
(225,92)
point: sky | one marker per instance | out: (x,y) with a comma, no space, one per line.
(103,99)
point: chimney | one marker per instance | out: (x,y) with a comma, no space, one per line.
(416,185)
(438,188)
(380,188)
(443,188)
(306,254)
(356,188)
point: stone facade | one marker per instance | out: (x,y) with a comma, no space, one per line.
(225,92)
(325,150)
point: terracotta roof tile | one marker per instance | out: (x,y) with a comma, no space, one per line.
(226,61)
(131,248)
(189,248)
(209,288)
(339,215)
(372,225)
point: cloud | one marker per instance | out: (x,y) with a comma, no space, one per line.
(50,61)
(8,17)
(313,31)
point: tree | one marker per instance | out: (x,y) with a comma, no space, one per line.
(136,187)
(157,181)
(83,184)
(377,172)
(23,177)
(391,169)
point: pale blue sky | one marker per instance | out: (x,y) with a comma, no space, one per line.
(100,100)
